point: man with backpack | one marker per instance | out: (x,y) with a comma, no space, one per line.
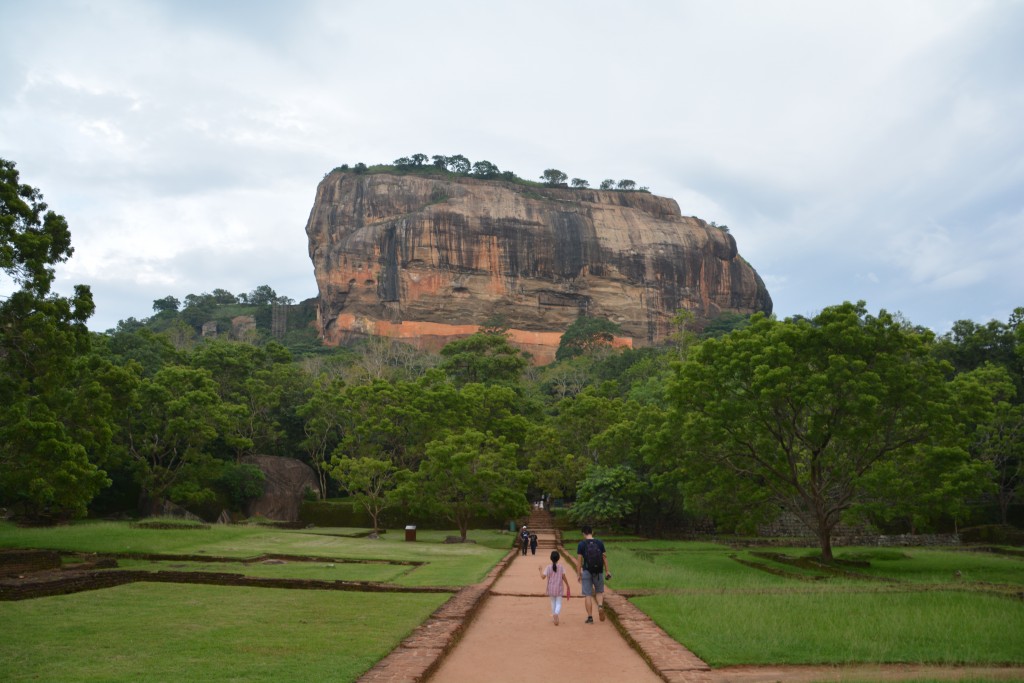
(592,571)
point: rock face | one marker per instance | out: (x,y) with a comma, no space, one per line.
(429,259)
(283,489)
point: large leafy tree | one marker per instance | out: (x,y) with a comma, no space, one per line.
(169,426)
(466,474)
(369,480)
(253,383)
(396,421)
(321,417)
(48,457)
(797,415)
(552,176)
(484,358)
(605,495)
(994,427)
(969,345)
(586,334)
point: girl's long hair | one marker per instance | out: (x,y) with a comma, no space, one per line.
(554,558)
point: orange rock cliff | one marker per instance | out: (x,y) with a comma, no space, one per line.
(429,259)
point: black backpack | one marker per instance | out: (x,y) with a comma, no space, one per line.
(593,560)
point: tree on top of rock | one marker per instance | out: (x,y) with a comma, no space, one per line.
(553,176)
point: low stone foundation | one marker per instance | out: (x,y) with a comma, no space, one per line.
(18,562)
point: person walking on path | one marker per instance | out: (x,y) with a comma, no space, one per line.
(533,544)
(592,563)
(524,540)
(556,577)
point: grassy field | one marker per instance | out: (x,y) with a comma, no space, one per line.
(907,606)
(163,632)
(442,564)
(158,632)
(730,606)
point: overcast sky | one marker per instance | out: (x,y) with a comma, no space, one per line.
(856,149)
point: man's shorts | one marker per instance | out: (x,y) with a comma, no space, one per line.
(592,583)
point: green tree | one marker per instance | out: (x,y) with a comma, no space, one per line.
(605,495)
(458,164)
(553,176)
(607,184)
(465,475)
(168,303)
(485,169)
(397,420)
(252,383)
(994,430)
(264,295)
(725,323)
(418,159)
(49,441)
(486,358)
(170,424)
(553,470)
(580,418)
(321,417)
(493,409)
(626,184)
(796,415)
(222,296)
(369,480)
(585,335)
(580,183)
(969,345)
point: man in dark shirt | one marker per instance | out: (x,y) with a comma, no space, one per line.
(592,570)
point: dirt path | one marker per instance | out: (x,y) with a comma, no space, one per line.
(513,638)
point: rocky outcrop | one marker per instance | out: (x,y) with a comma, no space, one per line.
(284,487)
(429,259)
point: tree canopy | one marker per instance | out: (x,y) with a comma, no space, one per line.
(797,415)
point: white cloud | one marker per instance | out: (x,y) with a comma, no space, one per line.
(857,150)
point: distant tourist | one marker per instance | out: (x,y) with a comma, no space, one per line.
(524,540)
(555,575)
(593,570)
(533,544)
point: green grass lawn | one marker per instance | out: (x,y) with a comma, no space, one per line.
(455,564)
(911,608)
(843,627)
(160,632)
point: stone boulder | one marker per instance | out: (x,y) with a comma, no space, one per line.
(287,480)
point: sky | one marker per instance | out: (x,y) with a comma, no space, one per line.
(857,150)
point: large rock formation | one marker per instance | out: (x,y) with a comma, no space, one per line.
(429,259)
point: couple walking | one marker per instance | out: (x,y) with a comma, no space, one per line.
(593,570)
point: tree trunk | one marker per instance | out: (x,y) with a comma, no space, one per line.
(825,542)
